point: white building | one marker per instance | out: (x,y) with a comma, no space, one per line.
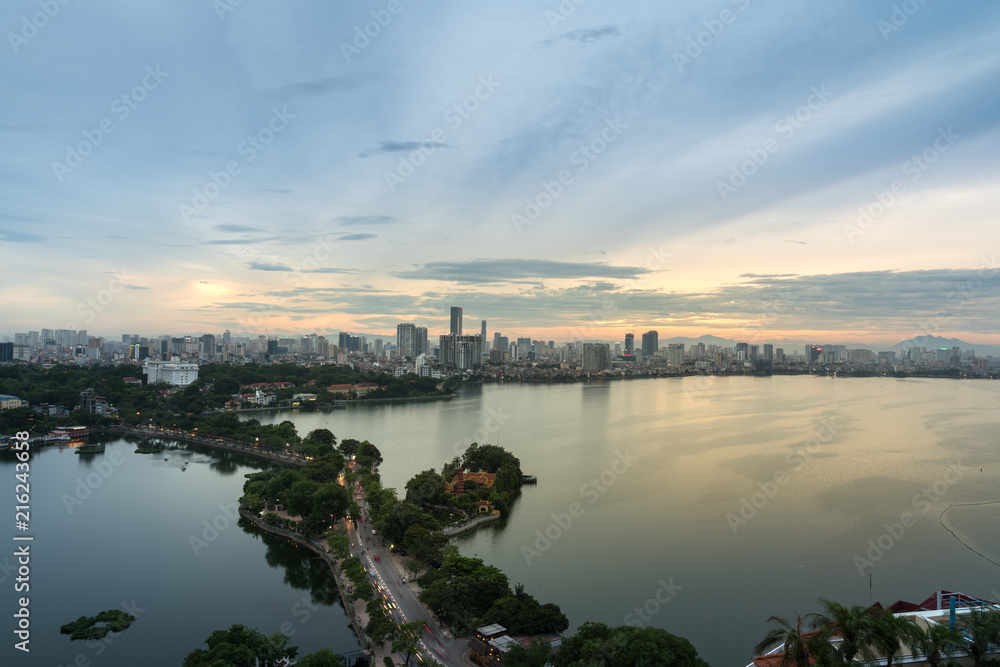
(171,372)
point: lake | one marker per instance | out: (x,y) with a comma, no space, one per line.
(123,530)
(706,505)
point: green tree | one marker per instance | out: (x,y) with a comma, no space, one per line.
(893,632)
(799,646)
(536,655)
(324,657)
(407,636)
(300,498)
(424,487)
(626,646)
(240,646)
(855,624)
(323,436)
(940,641)
(982,629)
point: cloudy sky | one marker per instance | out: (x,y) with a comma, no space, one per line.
(757,170)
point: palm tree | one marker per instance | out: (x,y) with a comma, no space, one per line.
(982,630)
(798,646)
(855,624)
(939,641)
(892,632)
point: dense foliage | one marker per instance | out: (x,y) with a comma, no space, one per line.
(626,646)
(468,593)
(61,385)
(86,627)
(240,646)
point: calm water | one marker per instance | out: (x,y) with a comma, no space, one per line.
(128,540)
(851,458)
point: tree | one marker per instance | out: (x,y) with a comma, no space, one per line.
(626,646)
(856,624)
(892,632)
(348,447)
(407,636)
(798,645)
(331,499)
(240,646)
(939,641)
(424,487)
(537,655)
(321,658)
(300,498)
(322,436)
(368,456)
(982,629)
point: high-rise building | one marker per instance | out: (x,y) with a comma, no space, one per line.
(421,344)
(812,353)
(630,343)
(523,347)
(208,346)
(456,320)
(461,352)
(779,355)
(596,356)
(406,340)
(650,343)
(482,336)
(768,352)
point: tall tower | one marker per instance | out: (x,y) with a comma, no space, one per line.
(484,338)
(456,320)
(629,343)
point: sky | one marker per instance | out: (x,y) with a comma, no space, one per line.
(571,170)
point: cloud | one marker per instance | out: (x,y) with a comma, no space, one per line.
(265,266)
(365,219)
(320,86)
(235,229)
(584,36)
(514,270)
(404,147)
(15,236)
(356,237)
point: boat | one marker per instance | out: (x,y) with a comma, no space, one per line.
(90,449)
(184,467)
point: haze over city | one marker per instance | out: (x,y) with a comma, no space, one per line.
(745,169)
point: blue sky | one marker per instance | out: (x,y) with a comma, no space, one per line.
(755,170)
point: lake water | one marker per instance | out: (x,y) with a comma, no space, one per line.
(116,529)
(628,523)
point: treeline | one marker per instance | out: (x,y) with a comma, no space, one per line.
(217,383)
(312,492)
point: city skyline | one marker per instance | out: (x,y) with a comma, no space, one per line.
(565,171)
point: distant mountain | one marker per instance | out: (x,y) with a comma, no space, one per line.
(932,342)
(706,339)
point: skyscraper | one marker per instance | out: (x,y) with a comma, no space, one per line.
(629,343)
(456,320)
(483,337)
(595,356)
(421,344)
(650,343)
(406,340)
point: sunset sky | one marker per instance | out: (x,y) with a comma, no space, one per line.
(755,170)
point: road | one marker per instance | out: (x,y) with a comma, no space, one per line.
(388,581)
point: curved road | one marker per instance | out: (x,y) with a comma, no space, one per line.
(404,605)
